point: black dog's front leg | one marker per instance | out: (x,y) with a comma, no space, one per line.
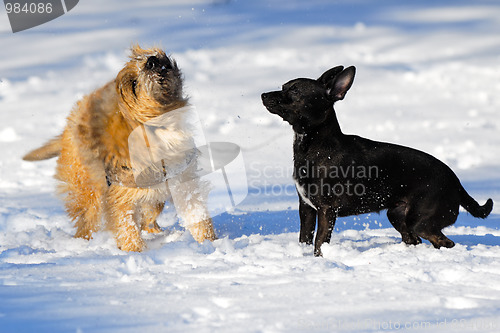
(326,222)
(307,222)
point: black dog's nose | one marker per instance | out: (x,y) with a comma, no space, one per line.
(267,99)
(264,97)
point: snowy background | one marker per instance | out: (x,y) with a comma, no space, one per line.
(428,77)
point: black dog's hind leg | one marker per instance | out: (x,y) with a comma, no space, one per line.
(326,222)
(437,239)
(429,222)
(397,217)
(307,222)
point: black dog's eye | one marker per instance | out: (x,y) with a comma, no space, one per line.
(293,91)
(152,62)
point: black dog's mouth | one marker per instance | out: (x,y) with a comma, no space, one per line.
(278,103)
(271,102)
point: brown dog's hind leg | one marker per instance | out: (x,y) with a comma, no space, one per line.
(84,206)
(89,221)
(81,193)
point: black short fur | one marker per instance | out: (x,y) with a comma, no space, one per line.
(340,175)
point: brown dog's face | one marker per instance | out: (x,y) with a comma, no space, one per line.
(149,85)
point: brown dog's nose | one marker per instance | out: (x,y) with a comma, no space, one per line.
(158,64)
(152,62)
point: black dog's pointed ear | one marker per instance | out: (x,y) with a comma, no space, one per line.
(330,74)
(341,84)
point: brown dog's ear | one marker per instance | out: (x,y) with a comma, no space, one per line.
(338,87)
(330,74)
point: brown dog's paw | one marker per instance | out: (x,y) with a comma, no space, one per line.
(129,239)
(132,246)
(202,230)
(152,228)
(85,234)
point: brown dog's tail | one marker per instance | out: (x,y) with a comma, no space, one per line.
(48,150)
(473,207)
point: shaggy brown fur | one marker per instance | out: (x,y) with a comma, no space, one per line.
(93,152)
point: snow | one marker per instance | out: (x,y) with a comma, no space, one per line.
(427,77)
(8,134)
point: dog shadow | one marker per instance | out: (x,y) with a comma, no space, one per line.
(243,222)
(238,224)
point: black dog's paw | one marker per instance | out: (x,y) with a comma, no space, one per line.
(318,253)
(307,239)
(411,239)
(441,241)
(448,243)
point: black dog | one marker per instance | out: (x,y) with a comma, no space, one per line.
(340,175)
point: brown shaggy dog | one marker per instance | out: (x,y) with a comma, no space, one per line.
(94,164)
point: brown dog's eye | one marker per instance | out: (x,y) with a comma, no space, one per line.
(134,85)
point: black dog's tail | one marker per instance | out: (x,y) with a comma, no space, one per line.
(473,207)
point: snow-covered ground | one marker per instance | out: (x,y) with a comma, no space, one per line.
(428,77)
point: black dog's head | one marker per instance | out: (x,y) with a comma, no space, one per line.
(307,103)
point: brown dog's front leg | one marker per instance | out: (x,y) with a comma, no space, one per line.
(326,222)
(120,203)
(189,197)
